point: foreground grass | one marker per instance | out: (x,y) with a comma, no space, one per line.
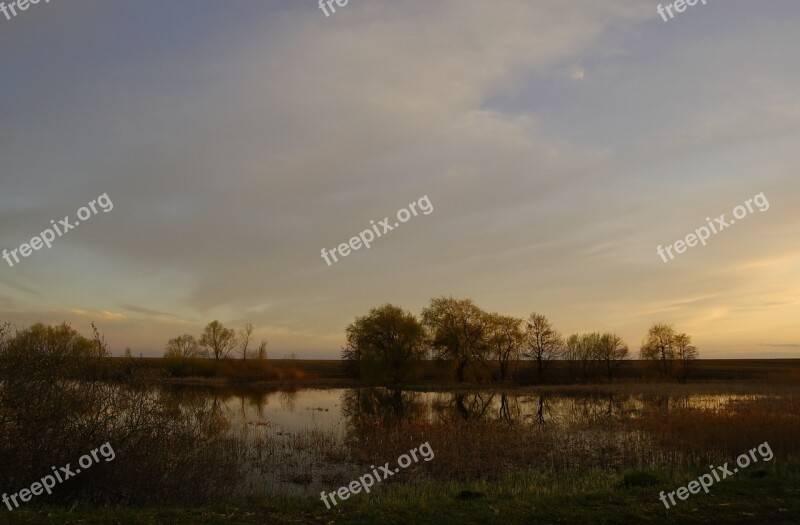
(763,493)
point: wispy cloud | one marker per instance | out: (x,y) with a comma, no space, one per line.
(146,311)
(561,142)
(103,314)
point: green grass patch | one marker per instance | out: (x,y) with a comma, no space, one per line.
(768,494)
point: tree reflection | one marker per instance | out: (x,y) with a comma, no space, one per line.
(381,407)
(509,409)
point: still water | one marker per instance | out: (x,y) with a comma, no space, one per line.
(308,440)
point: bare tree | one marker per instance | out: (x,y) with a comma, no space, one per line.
(99,342)
(659,347)
(182,347)
(589,350)
(217,340)
(611,351)
(457,331)
(261,353)
(544,343)
(245,334)
(505,339)
(685,353)
(593,353)
(572,355)
(672,352)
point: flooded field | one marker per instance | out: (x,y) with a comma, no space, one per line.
(304,441)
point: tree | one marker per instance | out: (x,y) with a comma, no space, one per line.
(457,331)
(351,361)
(217,340)
(44,351)
(505,339)
(99,342)
(572,355)
(182,347)
(245,334)
(659,347)
(54,402)
(685,354)
(5,330)
(261,353)
(611,351)
(544,343)
(670,351)
(387,342)
(588,352)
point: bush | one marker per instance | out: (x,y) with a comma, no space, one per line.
(53,410)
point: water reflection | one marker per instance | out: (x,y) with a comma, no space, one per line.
(302,441)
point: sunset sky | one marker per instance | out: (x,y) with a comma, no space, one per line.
(559,141)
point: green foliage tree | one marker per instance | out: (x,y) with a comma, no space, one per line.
(457,331)
(385,343)
(53,407)
(351,361)
(217,340)
(40,350)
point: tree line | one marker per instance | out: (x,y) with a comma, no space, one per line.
(388,342)
(217,342)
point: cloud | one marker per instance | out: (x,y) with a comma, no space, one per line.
(560,143)
(103,314)
(146,311)
(19,287)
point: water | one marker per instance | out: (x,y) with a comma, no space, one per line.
(304,441)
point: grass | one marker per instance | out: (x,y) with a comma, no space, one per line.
(753,496)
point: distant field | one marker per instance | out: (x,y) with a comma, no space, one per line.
(432,372)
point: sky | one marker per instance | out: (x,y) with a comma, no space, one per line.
(559,142)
